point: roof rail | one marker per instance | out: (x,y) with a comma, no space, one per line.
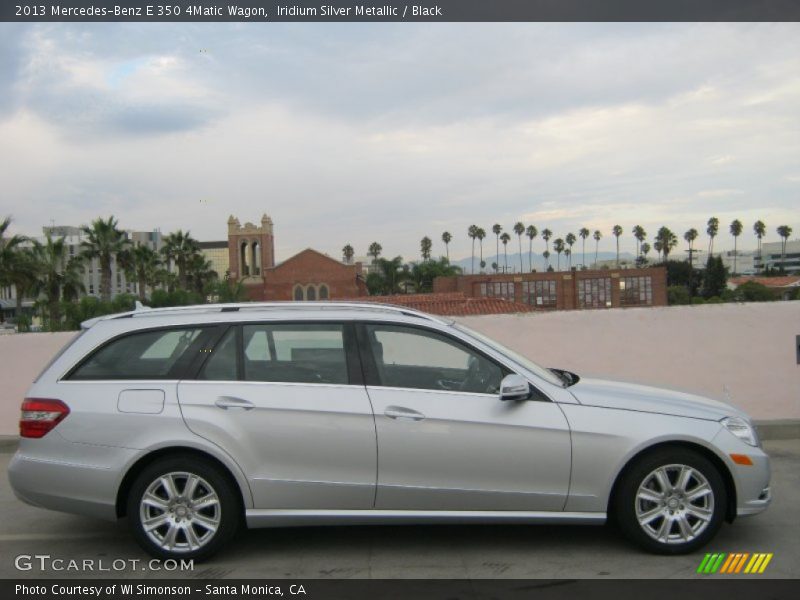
(145,311)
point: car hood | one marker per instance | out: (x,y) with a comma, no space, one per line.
(642,398)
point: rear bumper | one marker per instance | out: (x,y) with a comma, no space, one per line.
(82,480)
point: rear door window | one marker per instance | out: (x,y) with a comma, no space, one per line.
(144,355)
(295,353)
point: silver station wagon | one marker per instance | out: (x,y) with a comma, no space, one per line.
(195,421)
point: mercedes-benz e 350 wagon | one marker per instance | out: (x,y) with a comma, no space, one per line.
(194,421)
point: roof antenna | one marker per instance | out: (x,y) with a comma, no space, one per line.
(138,307)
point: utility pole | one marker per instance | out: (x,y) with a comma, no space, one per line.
(692,252)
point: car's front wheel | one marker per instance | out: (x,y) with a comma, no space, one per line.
(671,501)
(183,507)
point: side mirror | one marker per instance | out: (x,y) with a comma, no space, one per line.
(514,387)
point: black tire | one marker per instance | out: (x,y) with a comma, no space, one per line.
(676,527)
(192,540)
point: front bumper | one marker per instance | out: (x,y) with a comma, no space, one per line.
(752,482)
(753,507)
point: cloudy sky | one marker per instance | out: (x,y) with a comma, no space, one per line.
(389,132)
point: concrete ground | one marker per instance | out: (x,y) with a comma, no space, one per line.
(412,551)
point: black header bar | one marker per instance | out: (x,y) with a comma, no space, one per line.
(395,11)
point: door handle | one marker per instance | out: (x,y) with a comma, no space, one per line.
(400,412)
(226,402)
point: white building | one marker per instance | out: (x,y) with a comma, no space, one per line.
(771,256)
(743,260)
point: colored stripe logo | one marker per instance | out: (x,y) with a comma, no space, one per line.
(735,563)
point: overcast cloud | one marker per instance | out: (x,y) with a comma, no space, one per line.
(353,133)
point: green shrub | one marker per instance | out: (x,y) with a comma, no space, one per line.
(678,294)
(752,291)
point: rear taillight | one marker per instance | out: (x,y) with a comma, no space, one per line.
(40,415)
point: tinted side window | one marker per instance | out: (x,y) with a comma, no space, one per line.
(221,365)
(146,355)
(408,357)
(295,353)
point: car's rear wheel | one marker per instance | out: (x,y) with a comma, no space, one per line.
(183,507)
(671,501)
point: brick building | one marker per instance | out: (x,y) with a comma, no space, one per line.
(308,275)
(603,288)
(311,275)
(451,304)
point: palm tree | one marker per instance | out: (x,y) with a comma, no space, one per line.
(617,231)
(657,246)
(60,276)
(736,231)
(374,251)
(546,235)
(712,230)
(583,234)
(8,244)
(596,236)
(668,241)
(446,238)
(497,229)
(690,236)
(12,271)
(472,233)
(201,273)
(640,234)
(519,229)
(505,239)
(424,274)
(531,232)
(20,271)
(17,268)
(784,231)
(141,264)
(546,256)
(393,274)
(425,247)
(760,229)
(480,234)
(570,239)
(348,253)
(178,249)
(105,242)
(558,246)
(645,250)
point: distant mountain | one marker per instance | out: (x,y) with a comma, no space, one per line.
(538,261)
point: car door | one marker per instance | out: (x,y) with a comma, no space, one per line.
(445,440)
(287,401)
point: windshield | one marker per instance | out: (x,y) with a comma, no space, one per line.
(538,370)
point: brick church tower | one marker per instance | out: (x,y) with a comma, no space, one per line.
(251,249)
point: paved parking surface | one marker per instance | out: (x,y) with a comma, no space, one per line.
(477,551)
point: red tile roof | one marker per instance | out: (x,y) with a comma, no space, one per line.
(770,282)
(452,304)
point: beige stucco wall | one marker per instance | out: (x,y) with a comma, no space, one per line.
(747,348)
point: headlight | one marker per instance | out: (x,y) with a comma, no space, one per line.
(741,429)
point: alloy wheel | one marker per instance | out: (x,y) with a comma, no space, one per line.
(674,504)
(180,512)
